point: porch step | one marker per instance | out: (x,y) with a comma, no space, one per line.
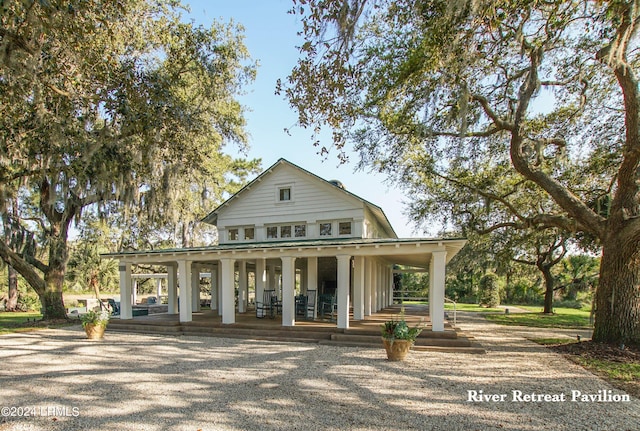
(421,341)
(473,349)
(255,333)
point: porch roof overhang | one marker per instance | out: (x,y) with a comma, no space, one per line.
(413,252)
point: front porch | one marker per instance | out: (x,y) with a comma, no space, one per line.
(356,273)
(362,333)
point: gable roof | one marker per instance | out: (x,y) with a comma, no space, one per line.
(378,213)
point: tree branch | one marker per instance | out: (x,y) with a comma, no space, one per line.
(23,267)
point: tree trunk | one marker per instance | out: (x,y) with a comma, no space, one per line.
(549,285)
(617,299)
(51,298)
(12,299)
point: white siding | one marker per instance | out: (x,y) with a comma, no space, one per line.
(312,200)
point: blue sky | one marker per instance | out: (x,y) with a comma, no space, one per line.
(271,37)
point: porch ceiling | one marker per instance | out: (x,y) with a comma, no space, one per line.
(414,252)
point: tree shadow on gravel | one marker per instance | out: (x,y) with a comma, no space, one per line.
(145,382)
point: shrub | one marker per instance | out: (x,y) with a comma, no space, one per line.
(489,294)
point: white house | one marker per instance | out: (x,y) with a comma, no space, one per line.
(286,226)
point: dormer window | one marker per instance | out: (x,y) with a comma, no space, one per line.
(344,227)
(233,234)
(285,194)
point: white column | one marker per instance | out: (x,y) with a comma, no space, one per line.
(134,291)
(367,286)
(243,288)
(214,288)
(374,287)
(195,288)
(380,279)
(390,294)
(358,288)
(184,281)
(158,289)
(126,311)
(272,277)
(312,280)
(261,278)
(344,277)
(219,288)
(288,290)
(436,289)
(172,289)
(227,287)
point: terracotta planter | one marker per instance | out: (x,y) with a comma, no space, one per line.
(398,349)
(94,332)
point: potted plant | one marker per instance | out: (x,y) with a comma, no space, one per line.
(94,323)
(398,337)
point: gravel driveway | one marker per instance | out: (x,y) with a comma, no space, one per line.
(143,382)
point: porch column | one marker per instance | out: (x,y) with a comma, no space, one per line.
(288,290)
(374,286)
(126,311)
(261,278)
(273,279)
(243,289)
(344,277)
(367,286)
(436,289)
(195,288)
(219,288)
(380,285)
(134,291)
(214,287)
(312,280)
(389,286)
(158,289)
(227,289)
(184,281)
(358,288)
(172,289)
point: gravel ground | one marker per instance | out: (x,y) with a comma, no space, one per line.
(143,382)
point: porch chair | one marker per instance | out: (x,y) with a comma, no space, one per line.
(115,307)
(266,306)
(310,312)
(328,306)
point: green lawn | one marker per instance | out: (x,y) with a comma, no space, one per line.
(474,308)
(562,318)
(24,322)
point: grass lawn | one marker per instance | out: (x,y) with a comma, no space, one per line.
(24,322)
(570,318)
(474,308)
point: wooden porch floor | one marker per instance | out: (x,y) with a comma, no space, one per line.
(413,314)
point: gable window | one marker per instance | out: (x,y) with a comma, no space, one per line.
(344,228)
(285,194)
(301,230)
(325,229)
(285,231)
(233,234)
(272,232)
(249,233)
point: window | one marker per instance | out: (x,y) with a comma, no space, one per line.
(233,234)
(301,230)
(285,194)
(344,227)
(325,229)
(285,231)
(272,232)
(249,233)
